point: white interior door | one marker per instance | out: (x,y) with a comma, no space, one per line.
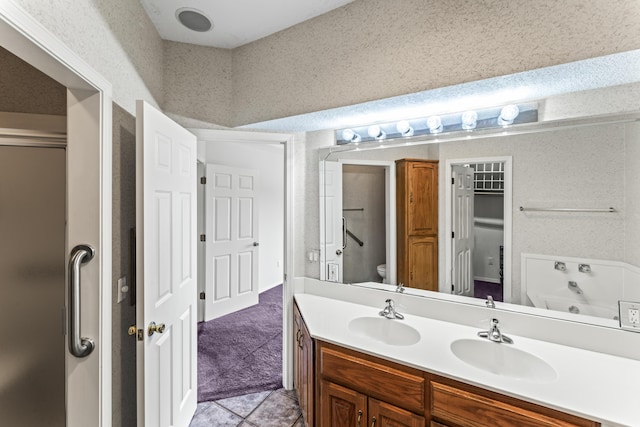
(231,224)
(462,227)
(332,237)
(166,270)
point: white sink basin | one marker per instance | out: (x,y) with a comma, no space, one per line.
(388,331)
(503,359)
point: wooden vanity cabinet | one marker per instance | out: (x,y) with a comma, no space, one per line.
(304,368)
(417,223)
(455,404)
(359,390)
(339,387)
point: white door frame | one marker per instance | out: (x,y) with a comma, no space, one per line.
(445,286)
(390,214)
(89,147)
(209,135)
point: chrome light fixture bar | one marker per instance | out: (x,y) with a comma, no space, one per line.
(469,121)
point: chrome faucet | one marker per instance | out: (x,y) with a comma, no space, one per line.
(574,287)
(390,312)
(489,302)
(400,288)
(494,334)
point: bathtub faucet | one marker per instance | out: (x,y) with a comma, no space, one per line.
(574,287)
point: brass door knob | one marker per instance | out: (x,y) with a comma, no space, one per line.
(153,328)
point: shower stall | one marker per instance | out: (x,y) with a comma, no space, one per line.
(32,282)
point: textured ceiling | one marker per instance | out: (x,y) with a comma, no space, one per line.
(235,22)
(595,73)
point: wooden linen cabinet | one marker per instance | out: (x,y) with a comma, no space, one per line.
(417,223)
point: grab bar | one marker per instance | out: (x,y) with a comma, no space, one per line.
(344,233)
(79,347)
(607,210)
(353,236)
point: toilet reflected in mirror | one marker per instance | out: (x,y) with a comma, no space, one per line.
(382,271)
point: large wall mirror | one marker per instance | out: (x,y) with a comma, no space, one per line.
(552,215)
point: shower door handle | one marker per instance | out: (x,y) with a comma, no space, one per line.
(79,347)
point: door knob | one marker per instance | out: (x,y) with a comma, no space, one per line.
(339,252)
(153,328)
(256,244)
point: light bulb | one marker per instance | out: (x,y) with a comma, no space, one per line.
(404,128)
(434,123)
(508,114)
(469,120)
(376,132)
(351,136)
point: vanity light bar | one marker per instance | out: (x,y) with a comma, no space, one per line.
(466,121)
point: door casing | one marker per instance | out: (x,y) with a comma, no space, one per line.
(445,239)
(89,169)
(212,136)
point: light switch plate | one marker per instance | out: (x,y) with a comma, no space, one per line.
(122,289)
(629,315)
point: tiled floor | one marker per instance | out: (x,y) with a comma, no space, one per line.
(266,409)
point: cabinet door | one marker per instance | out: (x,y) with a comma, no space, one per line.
(422,208)
(386,415)
(307,374)
(341,406)
(303,370)
(423,262)
(297,354)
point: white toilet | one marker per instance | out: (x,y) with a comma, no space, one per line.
(382,271)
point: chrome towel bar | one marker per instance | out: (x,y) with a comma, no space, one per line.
(607,210)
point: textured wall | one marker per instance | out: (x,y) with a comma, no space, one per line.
(124,314)
(197,82)
(23,89)
(372,49)
(115,37)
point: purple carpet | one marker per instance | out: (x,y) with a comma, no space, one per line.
(241,353)
(481,289)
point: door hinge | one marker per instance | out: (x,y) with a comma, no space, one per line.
(203,180)
(453,234)
(202,295)
(453,181)
(203,238)
(452,288)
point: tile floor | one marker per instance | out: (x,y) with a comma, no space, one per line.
(277,408)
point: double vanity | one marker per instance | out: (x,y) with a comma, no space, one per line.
(370,357)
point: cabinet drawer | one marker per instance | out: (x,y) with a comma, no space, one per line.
(465,408)
(383,381)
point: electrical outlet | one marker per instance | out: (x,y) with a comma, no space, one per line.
(490,260)
(629,315)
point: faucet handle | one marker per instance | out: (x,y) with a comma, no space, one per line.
(489,302)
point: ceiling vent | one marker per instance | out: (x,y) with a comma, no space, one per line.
(194,19)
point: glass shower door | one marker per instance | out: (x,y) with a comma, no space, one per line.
(32,286)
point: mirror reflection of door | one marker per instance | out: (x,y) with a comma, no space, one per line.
(462,233)
(331,235)
(363,210)
(478,229)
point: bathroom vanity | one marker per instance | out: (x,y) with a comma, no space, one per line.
(355,368)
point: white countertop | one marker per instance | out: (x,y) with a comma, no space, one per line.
(588,384)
